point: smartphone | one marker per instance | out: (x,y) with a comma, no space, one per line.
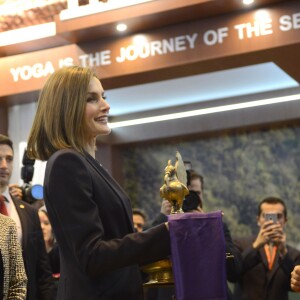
(271,216)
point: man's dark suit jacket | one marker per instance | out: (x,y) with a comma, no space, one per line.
(92,221)
(257,281)
(40,281)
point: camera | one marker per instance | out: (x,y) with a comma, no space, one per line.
(191,202)
(31,193)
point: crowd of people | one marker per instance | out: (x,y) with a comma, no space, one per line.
(87,242)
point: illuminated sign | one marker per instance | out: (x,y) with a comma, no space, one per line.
(168,47)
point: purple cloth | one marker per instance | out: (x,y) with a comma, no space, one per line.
(198,256)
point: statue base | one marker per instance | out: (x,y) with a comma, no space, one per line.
(160,274)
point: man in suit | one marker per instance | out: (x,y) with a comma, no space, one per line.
(40,281)
(267,259)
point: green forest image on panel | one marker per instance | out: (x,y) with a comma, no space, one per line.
(239,171)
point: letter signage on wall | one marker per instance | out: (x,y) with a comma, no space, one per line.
(173,46)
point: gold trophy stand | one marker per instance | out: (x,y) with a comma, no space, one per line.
(160,273)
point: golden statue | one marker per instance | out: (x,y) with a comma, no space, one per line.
(174,190)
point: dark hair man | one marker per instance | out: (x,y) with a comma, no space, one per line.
(40,282)
(267,259)
(139,219)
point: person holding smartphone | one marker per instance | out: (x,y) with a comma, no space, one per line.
(267,259)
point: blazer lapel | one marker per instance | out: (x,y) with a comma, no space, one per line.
(114,185)
(20,207)
(275,267)
(264,257)
(269,273)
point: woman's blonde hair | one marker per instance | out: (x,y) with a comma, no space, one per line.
(59,122)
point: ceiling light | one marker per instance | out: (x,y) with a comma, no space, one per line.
(121,27)
(205,111)
(139,39)
(248,2)
(262,15)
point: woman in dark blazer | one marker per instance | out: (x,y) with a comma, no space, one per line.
(90,213)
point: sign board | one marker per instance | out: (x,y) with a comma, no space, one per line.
(178,45)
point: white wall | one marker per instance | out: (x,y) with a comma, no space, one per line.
(20,118)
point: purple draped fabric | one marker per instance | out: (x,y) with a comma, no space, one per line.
(198,256)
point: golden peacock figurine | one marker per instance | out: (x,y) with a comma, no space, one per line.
(174,188)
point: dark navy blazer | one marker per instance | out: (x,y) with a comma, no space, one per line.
(92,220)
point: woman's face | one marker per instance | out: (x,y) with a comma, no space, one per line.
(46,226)
(96,110)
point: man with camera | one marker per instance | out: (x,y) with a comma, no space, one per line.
(267,260)
(38,271)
